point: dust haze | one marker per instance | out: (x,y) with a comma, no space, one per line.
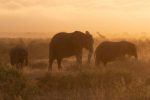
(30,43)
(124,79)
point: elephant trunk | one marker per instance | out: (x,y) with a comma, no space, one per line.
(136,56)
(90,56)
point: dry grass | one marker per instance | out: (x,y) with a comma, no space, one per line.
(117,81)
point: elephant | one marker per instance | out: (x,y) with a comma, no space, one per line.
(109,51)
(18,56)
(65,45)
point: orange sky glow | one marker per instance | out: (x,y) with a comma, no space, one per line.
(105,16)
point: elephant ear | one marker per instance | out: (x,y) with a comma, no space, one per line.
(87,32)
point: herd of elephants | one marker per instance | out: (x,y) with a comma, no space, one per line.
(64,45)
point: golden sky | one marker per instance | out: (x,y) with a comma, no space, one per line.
(106,16)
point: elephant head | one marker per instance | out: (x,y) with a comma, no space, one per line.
(132,52)
(129,49)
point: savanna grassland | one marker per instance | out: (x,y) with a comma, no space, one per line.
(120,80)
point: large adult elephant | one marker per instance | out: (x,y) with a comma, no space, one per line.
(18,56)
(109,51)
(64,45)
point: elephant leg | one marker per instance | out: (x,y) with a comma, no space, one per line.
(17,66)
(105,63)
(21,66)
(79,58)
(50,64)
(89,58)
(97,62)
(59,63)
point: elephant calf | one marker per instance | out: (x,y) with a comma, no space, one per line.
(18,56)
(109,51)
